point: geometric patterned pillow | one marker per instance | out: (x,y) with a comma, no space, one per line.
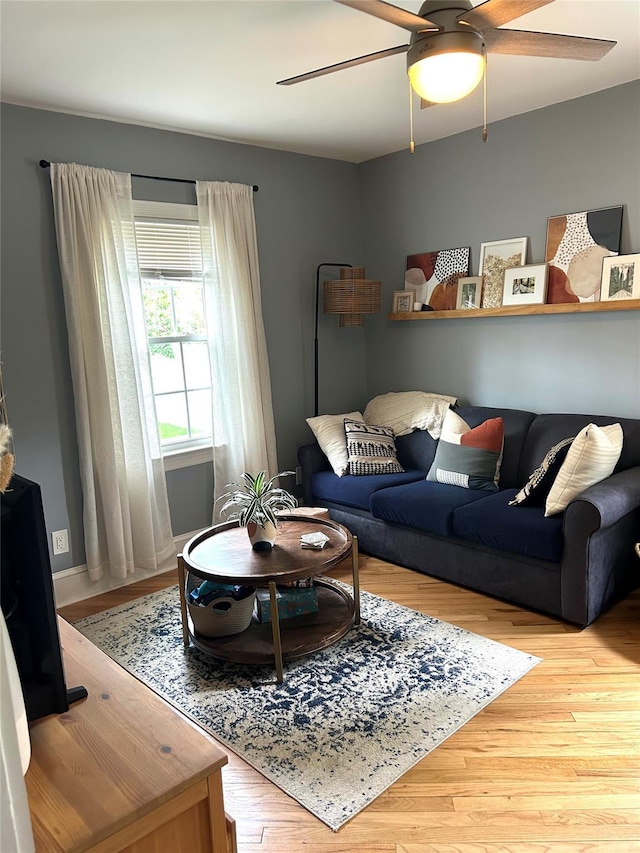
(371,449)
(538,486)
(467,457)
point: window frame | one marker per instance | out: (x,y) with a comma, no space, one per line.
(192,451)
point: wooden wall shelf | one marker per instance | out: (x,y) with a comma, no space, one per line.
(520,310)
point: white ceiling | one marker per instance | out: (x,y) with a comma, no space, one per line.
(210,67)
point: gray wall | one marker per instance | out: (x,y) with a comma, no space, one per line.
(579,155)
(454,192)
(307,212)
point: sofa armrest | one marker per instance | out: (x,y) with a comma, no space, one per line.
(312,460)
(613,498)
(598,563)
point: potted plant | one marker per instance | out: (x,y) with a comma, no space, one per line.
(254,504)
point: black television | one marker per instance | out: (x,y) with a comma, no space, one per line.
(28,604)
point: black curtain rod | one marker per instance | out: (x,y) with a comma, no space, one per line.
(44,164)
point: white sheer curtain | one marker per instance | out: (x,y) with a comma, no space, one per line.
(16,835)
(126,510)
(243,426)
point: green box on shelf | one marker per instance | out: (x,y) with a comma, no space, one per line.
(291,602)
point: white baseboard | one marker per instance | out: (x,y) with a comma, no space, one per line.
(72,585)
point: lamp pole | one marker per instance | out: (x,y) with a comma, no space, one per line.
(315,343)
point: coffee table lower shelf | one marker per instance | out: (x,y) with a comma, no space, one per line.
(299,635)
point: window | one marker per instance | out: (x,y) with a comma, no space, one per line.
(170,262)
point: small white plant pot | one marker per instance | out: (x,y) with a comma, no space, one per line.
(262,538)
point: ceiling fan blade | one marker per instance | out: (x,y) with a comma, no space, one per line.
(349,63)
(424,104)
(495,13)
(524,43)
(392,14)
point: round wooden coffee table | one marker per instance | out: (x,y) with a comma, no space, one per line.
(223,553)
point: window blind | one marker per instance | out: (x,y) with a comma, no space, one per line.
(168,240)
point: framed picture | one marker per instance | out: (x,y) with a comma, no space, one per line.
(403,301)
(620,278)
(577,244)
(525,285)
(433,276)
(469,292)
(495,258)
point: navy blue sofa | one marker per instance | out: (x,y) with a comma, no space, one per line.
(572,566)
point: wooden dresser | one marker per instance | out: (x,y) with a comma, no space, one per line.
(122,770)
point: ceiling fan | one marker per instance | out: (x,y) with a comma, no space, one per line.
(449,41)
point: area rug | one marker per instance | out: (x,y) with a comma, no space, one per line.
(347,721)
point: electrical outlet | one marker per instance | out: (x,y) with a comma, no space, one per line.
(60,541)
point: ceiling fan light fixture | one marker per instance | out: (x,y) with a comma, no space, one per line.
(446,67)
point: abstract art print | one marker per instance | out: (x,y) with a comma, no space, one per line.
(577,244)
(433,276)
(495,258)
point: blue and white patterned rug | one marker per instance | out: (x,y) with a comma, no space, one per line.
(347,721)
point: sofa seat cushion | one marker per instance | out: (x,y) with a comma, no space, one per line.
(356,491)
(517,529)
(424,505)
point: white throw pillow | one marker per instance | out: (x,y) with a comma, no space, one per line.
(330,435)
(404,411)
(591,458)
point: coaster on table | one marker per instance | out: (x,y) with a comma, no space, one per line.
(314,540)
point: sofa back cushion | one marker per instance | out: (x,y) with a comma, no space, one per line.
(516,425)
(416,451)
(535,490)
(547,430)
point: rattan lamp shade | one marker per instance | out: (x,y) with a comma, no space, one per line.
(352,297)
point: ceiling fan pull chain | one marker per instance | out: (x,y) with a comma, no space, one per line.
(485,133)
(412,147)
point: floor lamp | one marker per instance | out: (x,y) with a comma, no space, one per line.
(352,296)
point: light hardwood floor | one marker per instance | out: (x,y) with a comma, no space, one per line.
(551,766)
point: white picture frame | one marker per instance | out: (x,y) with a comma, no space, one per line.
(469,292)
(620,278)
(495,258)
(402,301)
(525,285)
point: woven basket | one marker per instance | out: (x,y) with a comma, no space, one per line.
(222,616)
